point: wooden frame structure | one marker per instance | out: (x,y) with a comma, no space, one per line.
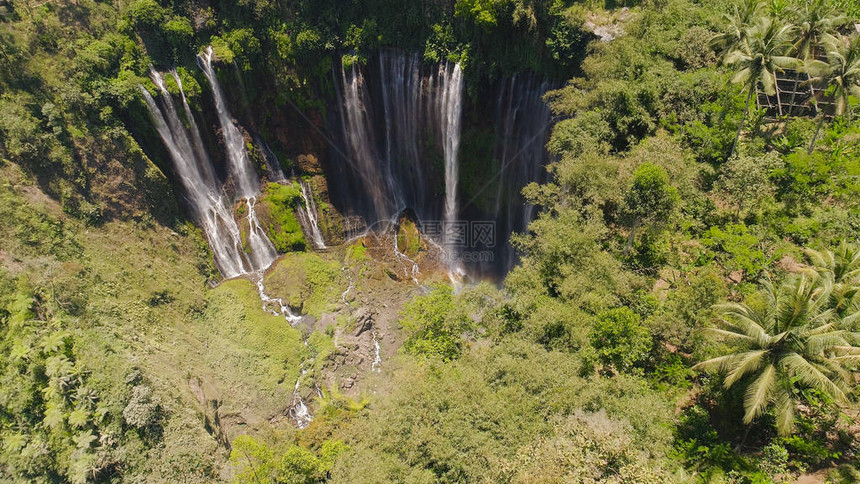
(796,95)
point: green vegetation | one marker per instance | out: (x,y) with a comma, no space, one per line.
(685,308)
(794,340)
(277,214)
(307,282)
(620,340)
(408,238)
(508,411)
(266,463)
(434,325)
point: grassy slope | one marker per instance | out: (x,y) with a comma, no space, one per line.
(134,298)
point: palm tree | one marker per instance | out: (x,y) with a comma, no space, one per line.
(841,269)
(759,58)
(841,74)
(745,13)
(816,19)
(795,341)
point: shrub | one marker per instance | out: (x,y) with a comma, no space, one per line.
(147,14)
(179,31)
(260,462)
(142,411)
(620,340)
(736,249)
(435,325)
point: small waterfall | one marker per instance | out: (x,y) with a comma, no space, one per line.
(280,308)
(263,252)
(298,410)
(405,110)
(358,131)
(349,288)
(245,180)
(377,359)
(522,130)
(207,198)
(204,164)
(395,126)
(273,166)
(311,216)
(400,255)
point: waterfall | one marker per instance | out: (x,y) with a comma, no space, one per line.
(377,359)
(311,216)
(349,287)
(451,110)
(358,131)
(522,129)
(247,184)
(263,252)
(298,410)
(273,166)
(208,202)
(411,263)
(395,126)
(245,180)
(280,308)
(400,121)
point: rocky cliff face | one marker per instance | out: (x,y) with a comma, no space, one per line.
(374,143)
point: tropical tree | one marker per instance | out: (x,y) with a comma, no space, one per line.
(841,269)
(650,199)
(743,16)
(759,58)
(795,340)
(840,73)
(815,19)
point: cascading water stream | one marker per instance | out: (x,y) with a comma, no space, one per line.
(451,111)
(273,166)
(377,359)
(400,255)
(393,131)
(280,308)
(210,204)
(401,121)
(298,410)
(207,201)
(263,252)
(245,179)
(204,164)
(247,184)
(349,288)
(522,130)
(364,157)
(311,216)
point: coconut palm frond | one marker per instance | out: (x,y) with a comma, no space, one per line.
(729,335)
(848,359)
(850,321)
(803,335)
(758,393)
(784,411)
(820,259)
(806,372)
(743,320)
(787,62)
(819,343)
(751,362)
